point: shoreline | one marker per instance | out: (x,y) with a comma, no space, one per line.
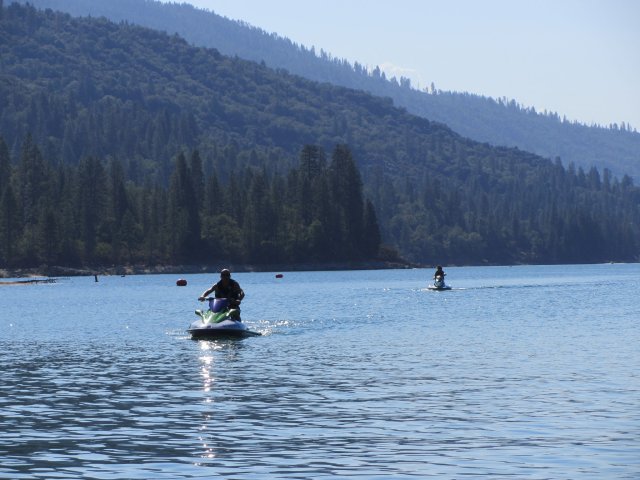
(61,271)
(46,274)
(27,282)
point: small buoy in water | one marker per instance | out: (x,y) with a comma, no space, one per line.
(279,275)
(181,282)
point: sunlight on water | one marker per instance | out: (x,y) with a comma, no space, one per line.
(525,372)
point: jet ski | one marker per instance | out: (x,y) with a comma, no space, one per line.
(220,321)
(438,284)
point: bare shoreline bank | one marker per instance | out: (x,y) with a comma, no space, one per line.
(61,271)
(27,282)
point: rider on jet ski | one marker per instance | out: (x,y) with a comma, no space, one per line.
(226,288)
(439,273)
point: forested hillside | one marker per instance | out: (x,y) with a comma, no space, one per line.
(89,214)
(496,121)
(99,120)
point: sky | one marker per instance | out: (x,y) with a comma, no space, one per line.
(579,58)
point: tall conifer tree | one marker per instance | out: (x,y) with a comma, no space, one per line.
(9,226)
(5,165)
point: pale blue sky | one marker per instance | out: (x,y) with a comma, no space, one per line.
(580,58)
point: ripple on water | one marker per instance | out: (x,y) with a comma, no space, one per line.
(511,375)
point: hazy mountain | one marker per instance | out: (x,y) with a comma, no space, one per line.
(499,122)
(84,88)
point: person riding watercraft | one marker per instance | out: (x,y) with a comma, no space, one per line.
(438,280)
(226,288)
(439,273)
(222,319)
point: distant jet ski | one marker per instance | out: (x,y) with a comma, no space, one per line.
(220,321)
(438,284)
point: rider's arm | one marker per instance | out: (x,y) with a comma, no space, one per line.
(206,292)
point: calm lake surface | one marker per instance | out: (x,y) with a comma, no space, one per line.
(525,372)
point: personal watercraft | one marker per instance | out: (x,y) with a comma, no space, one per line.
(438,284)
(220,321)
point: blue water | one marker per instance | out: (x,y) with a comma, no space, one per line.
(525,372)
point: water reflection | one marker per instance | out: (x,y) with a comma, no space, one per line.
(217,355)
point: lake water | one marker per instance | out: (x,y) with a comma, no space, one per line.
(525,372)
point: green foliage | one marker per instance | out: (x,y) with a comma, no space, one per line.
(89,215)
(112,106)
(496,121)
(184,212)
(10,227)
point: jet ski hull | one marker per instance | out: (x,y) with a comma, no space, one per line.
(224,329)
(434,287)
(438,283)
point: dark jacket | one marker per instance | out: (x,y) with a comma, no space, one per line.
(232,291)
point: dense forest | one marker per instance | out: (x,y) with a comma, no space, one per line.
(89,214)
(497,121)
(124,144)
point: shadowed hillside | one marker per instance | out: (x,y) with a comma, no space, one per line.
(496,121)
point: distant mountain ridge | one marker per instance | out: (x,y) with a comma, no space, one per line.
(498,122)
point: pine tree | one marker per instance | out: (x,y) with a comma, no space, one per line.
(91,203)
(371,234)
(323,213)
(197,178)
(214,197)
(184,220)
(260,224)
(5,166)
(346,194)
(48,236)
(312,166)
(118,201)
(9,227)
(312,161)
(32,178)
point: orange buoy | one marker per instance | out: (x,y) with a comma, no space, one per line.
(181,282)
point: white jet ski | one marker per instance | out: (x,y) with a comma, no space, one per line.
(438,284)
(220,321)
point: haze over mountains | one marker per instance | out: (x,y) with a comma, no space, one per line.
(496,121)
(80,93)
